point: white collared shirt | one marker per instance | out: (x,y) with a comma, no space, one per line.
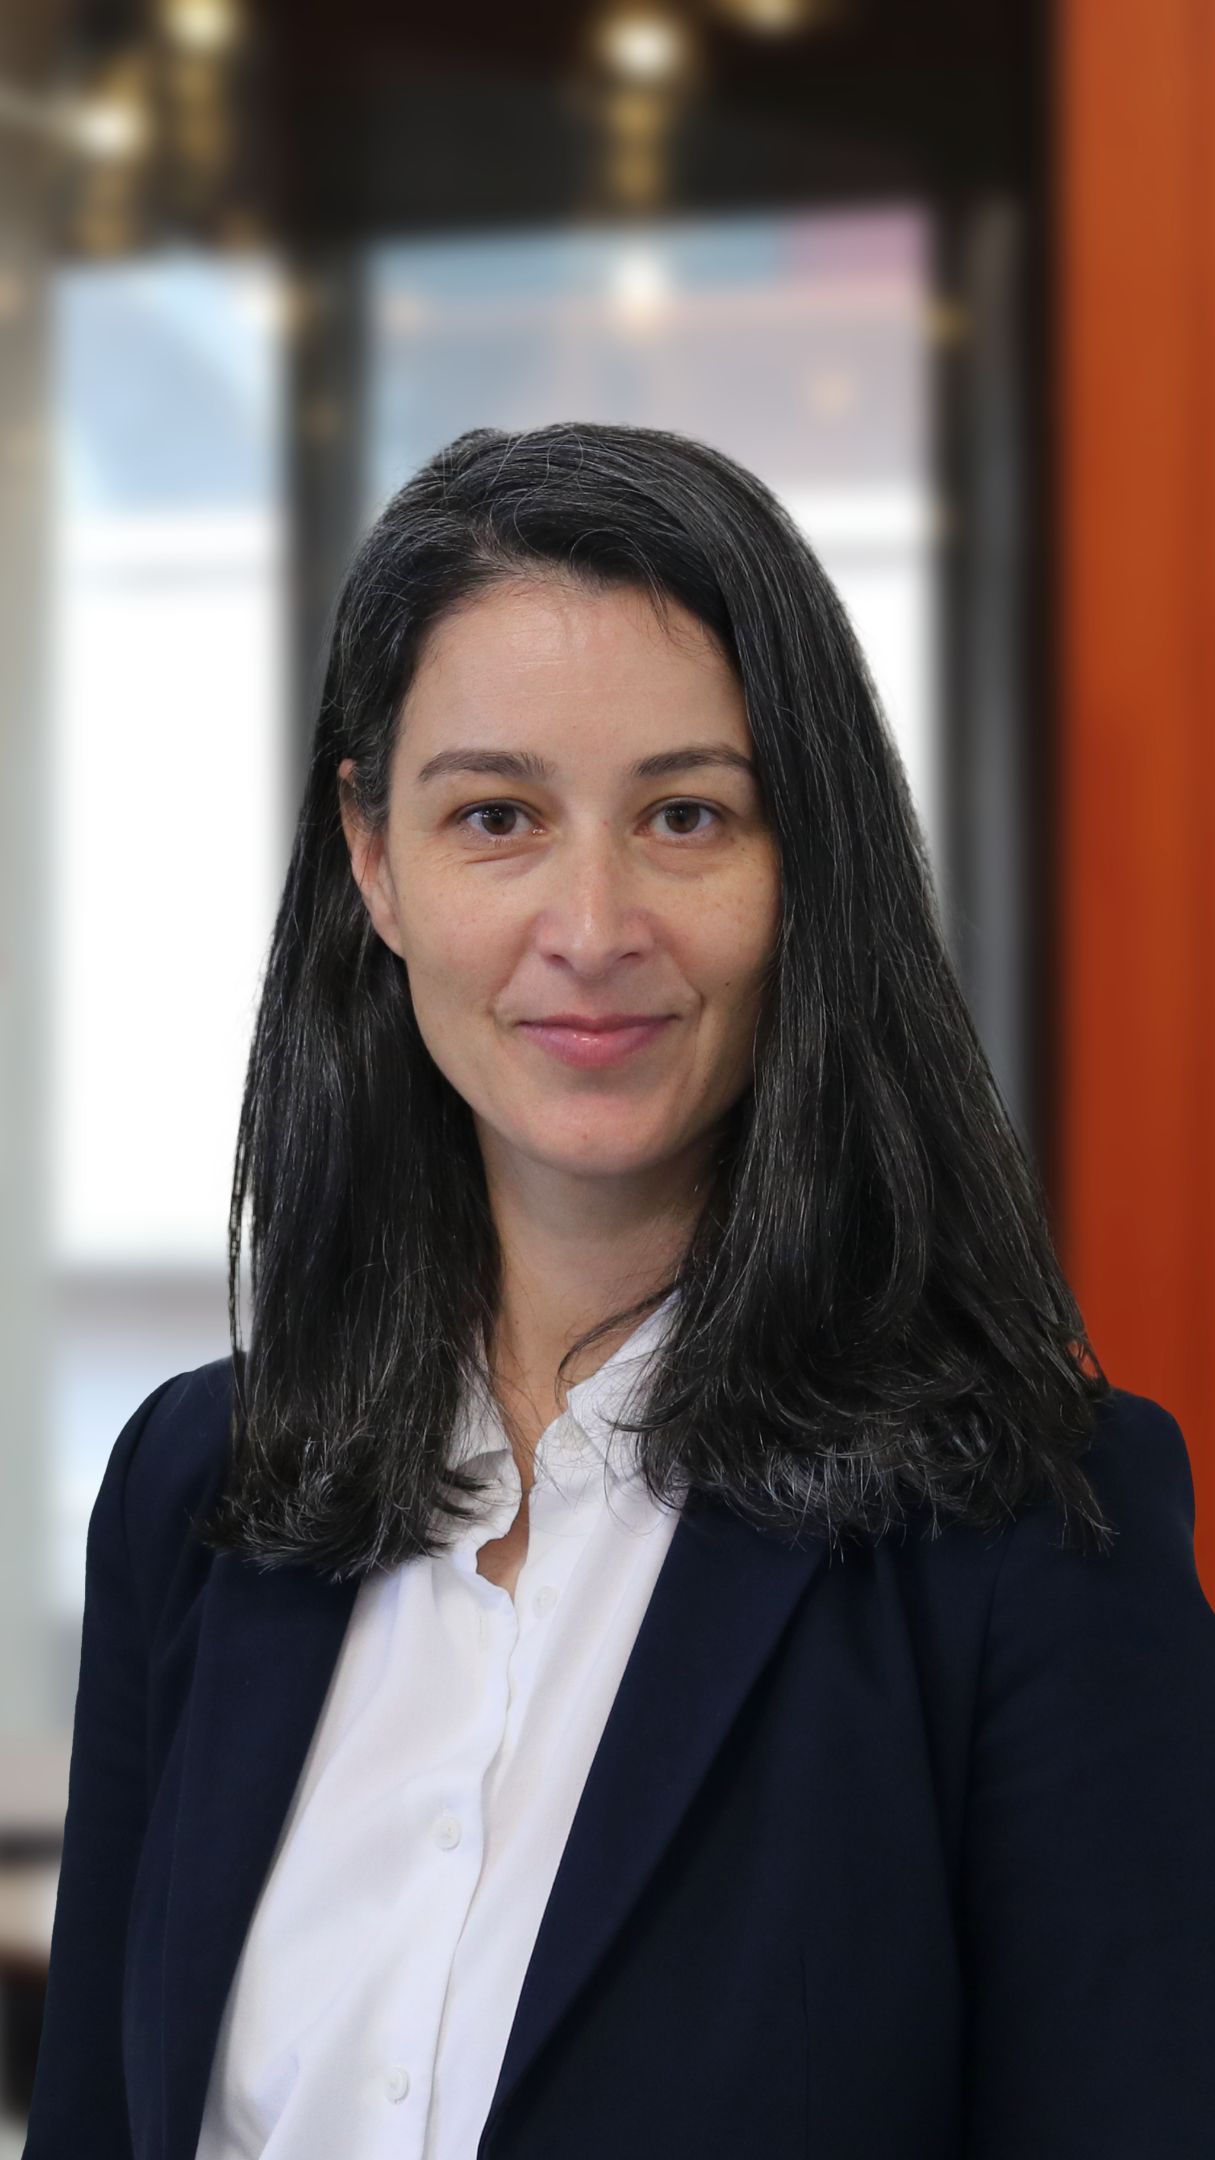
(373,1999)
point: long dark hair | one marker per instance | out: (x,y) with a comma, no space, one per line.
(871,1312)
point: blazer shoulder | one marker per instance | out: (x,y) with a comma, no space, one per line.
(1138,1461)
(1082,1644)
(1138,1465)
(166,1468)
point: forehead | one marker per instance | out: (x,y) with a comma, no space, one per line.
(523,644)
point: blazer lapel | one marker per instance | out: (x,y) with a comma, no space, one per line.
(268,1645)
(721,1600)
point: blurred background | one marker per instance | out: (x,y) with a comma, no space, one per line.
(943,275)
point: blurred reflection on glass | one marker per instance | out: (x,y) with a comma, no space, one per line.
(798,344)
(169,836)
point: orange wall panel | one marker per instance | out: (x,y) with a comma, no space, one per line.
(1135,430)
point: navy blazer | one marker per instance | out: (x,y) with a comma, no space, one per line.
(907,1854)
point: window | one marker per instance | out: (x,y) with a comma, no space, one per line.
(168,831)
(797,344)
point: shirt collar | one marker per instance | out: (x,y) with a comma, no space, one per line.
(585,1436)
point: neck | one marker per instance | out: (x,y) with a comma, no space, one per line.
(575,1249)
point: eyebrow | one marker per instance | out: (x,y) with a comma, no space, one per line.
(526,765)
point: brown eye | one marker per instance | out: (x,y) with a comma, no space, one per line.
(499,810)
(681,808)
(489,810)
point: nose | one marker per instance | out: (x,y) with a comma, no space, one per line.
(594,912)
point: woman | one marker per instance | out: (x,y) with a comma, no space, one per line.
(601,1672)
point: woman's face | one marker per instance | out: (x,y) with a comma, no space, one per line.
(575,884)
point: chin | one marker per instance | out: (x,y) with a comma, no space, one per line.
(584,1158)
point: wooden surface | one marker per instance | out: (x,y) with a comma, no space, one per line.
(27,1910)
(33,1796)
(33,1792)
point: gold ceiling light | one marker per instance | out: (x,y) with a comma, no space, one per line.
(111,126)
(775,18)
(644,45)
(207,27)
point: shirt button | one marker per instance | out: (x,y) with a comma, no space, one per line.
(396,2084)
(544,1597)
(447,1832)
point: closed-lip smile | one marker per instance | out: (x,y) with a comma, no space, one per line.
(596,1027)
(595,1044)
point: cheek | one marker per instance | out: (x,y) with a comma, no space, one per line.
(456,942)
(448,937)
(764,922)
(736,939)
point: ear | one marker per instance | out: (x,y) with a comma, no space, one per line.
(368,861)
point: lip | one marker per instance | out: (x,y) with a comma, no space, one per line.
(591,1024)
(601,1045)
